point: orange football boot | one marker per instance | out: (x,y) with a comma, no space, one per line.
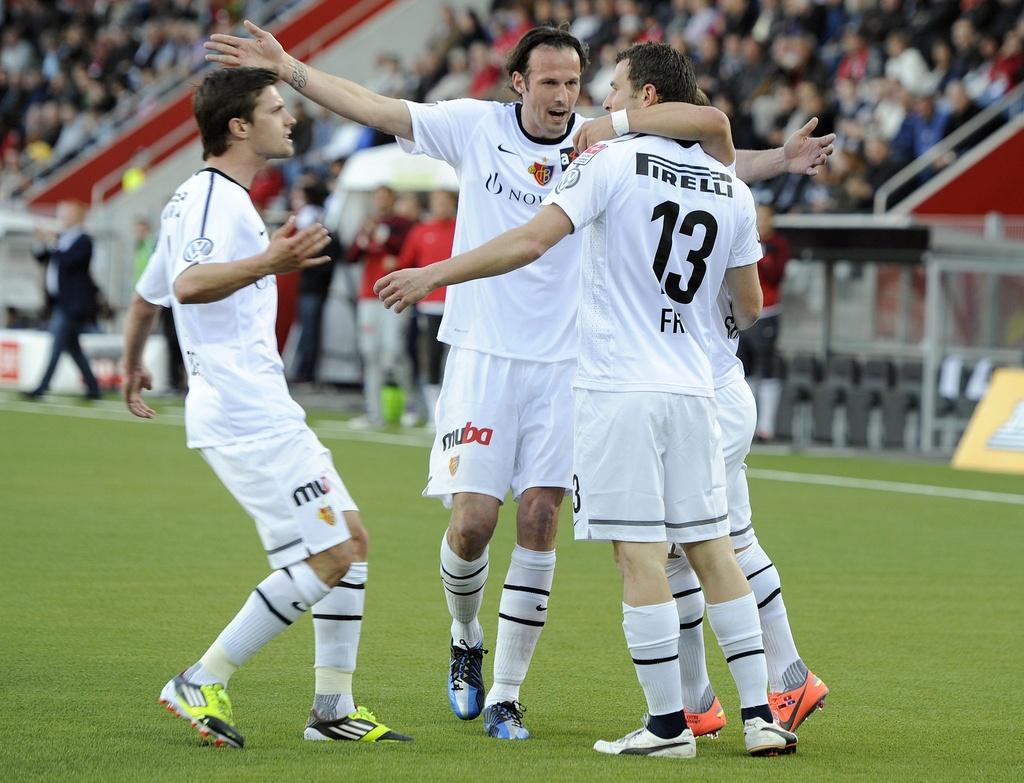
(791,708)
(706,724)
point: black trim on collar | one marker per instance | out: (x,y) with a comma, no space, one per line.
(684,144)
(537,139)
(230,179)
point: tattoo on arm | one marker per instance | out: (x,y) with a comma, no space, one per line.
(299,75)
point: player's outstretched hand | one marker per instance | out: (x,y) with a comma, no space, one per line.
(403,288)
(290,250)
(260,51)
(134,382)
(593,131)
(805,154)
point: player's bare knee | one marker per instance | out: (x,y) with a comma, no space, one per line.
(332,564)
(537,521)
(474,518)
(360,538)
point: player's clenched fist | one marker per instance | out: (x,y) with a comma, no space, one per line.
(290,249)
(404,288)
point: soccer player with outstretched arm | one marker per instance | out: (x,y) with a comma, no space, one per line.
(215,267)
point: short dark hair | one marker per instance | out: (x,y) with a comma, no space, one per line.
(659,64)
(225,94)
(555,37)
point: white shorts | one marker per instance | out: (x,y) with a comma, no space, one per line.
(648,467)
(737,417)
(289,486)
(501,424)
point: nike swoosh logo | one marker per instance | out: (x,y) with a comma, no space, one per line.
(507,152)
(541,608)
(298,607)
(262,233)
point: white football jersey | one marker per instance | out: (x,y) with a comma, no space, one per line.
(236,385)
(504,175)
(662,222)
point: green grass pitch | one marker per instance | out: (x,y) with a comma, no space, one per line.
(124,557)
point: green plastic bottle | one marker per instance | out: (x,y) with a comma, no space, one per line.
(392,401)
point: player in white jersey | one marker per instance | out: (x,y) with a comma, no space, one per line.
(794,690)
(214,266)
(504,416)
(663,222)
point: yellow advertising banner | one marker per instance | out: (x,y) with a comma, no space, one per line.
(994,439)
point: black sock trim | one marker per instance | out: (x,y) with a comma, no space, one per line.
(456,592)
(521,588)
(760,570)
(685,593)
(466,576)
(737,656)
(534,623)
(762,711)
(337,617)
(771,597)
(351,585)
(271,609)
(652,661)
(694,624)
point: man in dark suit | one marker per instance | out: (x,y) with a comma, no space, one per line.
(71,291)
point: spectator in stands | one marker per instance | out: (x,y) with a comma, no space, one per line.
(427,243)
(757,348)
(307,203)
(906,65)
(922,129)
(71,292)
(381,332)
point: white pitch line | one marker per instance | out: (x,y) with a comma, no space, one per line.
(338,430)
(885,486)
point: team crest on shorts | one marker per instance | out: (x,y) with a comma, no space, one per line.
(453,465)
(542,172)
(326,514)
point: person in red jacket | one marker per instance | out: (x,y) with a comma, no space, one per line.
(427,243)
(757,349)
(381,333)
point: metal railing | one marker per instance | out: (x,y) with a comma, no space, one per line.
(916,167)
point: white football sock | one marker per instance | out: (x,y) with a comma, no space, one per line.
(736,626)
(785,669)
(521,616)
(463,582)
(337,623)
(652,634)
(698,694)
(276,603)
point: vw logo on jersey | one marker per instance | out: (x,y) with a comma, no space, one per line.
(542,172)
(570,178)
(198,248)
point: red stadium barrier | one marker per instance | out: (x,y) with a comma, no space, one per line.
(312,31)
(983,186)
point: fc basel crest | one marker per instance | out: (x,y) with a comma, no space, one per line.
(542,172)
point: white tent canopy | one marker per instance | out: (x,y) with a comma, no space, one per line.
(389,165)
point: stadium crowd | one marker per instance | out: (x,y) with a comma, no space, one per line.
(890,77)
(72,72)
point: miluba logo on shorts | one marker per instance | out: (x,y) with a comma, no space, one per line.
(467,434)
(313,489)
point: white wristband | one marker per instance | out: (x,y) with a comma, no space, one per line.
(620,122)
